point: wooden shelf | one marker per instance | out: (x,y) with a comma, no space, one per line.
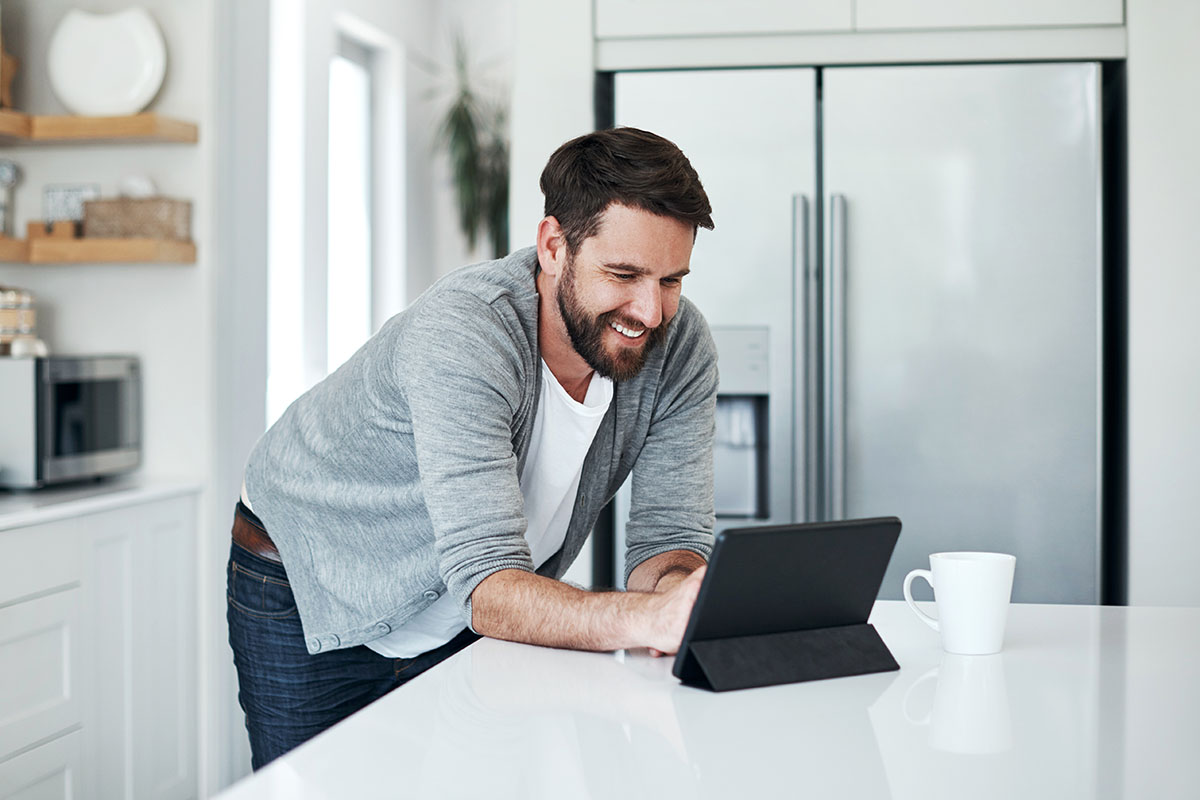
(17,127)
(13,125)
(13,249)
(55,250)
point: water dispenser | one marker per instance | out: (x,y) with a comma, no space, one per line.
(740,449)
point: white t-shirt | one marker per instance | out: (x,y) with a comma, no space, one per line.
(562,435)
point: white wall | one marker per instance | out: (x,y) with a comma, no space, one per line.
(1164,291)
(239,52)
(552,98)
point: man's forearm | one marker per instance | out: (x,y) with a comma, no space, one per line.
(523,607)
(663,570)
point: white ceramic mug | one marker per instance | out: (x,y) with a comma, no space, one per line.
(972,591)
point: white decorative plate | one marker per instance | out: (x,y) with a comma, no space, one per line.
(107,64)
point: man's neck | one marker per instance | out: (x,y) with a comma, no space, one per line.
(568,367)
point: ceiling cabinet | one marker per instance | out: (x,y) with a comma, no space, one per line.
(885,15)
(630,19)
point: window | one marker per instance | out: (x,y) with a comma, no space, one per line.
(349,265)
(334,273)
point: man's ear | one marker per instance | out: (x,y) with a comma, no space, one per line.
(551,246)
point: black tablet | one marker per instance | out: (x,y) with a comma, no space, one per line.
(788,578)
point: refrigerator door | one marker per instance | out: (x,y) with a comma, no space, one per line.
(750,134)
(964,257)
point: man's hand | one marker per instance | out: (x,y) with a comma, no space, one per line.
(523,607)
(678,591)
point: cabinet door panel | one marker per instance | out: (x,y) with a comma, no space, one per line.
(164,705)
(40,669)
(940,14)
(141,737)
(48,772)
(626,18)
(39,559)
(107,716)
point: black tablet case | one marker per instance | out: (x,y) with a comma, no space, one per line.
(789,603)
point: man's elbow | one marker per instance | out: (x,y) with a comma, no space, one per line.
(497,599)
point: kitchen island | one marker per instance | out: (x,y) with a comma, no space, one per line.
(1084,702)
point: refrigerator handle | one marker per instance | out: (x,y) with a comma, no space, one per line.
(835,361)
(802,341)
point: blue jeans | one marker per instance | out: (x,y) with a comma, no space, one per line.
(288,695)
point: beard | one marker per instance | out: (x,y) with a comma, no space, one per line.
(587,333)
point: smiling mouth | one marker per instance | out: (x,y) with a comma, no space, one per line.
(628,333)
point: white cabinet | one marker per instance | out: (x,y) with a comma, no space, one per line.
(40,669)
(878,15)
(97,650)
(631,18)
(50,771)
(38,560)
(617,19)
(633,35)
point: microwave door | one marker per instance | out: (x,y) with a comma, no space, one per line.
(90,418)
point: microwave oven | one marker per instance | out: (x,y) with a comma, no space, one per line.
(68,418)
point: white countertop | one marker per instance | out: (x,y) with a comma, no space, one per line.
(21,508)
(1084,702)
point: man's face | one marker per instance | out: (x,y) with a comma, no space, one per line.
(617,294)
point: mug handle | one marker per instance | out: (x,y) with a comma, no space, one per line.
(908,579)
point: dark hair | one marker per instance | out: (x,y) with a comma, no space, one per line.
(629,166)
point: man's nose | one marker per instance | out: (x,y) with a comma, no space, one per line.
(646,307)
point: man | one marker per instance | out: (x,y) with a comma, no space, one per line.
(435,487)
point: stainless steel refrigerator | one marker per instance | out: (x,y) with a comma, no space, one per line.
(905,288)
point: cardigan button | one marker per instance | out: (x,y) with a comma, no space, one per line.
(431,595)
(314,644)
(383,629)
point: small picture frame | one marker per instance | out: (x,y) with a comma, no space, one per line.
(64,201)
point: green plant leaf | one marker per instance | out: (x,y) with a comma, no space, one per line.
(474,137)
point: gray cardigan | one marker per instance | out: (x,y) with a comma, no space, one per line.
(396,479)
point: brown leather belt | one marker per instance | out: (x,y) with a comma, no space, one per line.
(253,538)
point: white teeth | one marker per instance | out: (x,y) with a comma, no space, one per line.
(621,329)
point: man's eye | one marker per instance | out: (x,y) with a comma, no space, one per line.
(672,281)
(624,276)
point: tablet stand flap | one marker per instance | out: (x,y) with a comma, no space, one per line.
(742,662)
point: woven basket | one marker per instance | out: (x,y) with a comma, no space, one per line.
(138,217)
